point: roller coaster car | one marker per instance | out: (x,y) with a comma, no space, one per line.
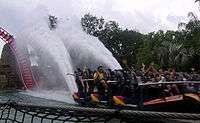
(187,102)
(151,98)
(148,97)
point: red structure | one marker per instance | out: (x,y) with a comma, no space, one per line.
(22,60)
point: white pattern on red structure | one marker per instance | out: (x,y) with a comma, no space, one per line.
(22,60)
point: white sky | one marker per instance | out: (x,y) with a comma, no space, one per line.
(143,15)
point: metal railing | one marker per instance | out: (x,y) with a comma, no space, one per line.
(29,113)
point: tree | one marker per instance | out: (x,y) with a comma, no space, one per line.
(198,1)
(122,43)
(179,48)
(52,22)
(145,53)
(92,25)
(174,54)
(192,36)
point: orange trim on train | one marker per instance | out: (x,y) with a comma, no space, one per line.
(94,98)
(119,100)
(76,96)
(194,96)
(164,100)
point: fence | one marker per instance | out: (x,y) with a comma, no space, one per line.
(29,113)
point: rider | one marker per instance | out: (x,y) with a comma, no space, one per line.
(85,79)
(130,84)
(91,83)
(79,81)
(100,80)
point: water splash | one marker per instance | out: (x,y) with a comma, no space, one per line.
(85,49)
(61,96)
(63,49)
(39,36)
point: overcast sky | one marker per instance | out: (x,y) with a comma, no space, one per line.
(143,15)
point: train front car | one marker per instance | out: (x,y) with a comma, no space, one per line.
(178,96)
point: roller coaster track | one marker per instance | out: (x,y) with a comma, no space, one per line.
(22,60)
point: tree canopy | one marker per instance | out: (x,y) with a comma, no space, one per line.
(180,48)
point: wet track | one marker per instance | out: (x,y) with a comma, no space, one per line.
(21,97)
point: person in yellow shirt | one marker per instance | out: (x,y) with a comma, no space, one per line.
(100,80)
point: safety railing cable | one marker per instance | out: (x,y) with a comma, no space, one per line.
(23,113)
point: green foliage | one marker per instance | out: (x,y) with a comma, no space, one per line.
(122,43)
(178,48)
(92,25)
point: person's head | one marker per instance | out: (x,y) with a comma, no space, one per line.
(89,70)
(160,71)
(171,67)
(78,69)
(109,70)
(157,77)
(100,68)
(75,72)
(193,69)
(85,68)
(152,64)
(126,68)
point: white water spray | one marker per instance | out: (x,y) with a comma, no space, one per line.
(85,49)
(68,46)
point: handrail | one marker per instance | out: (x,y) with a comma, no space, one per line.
(77,112)
(171,82)
(154,83)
